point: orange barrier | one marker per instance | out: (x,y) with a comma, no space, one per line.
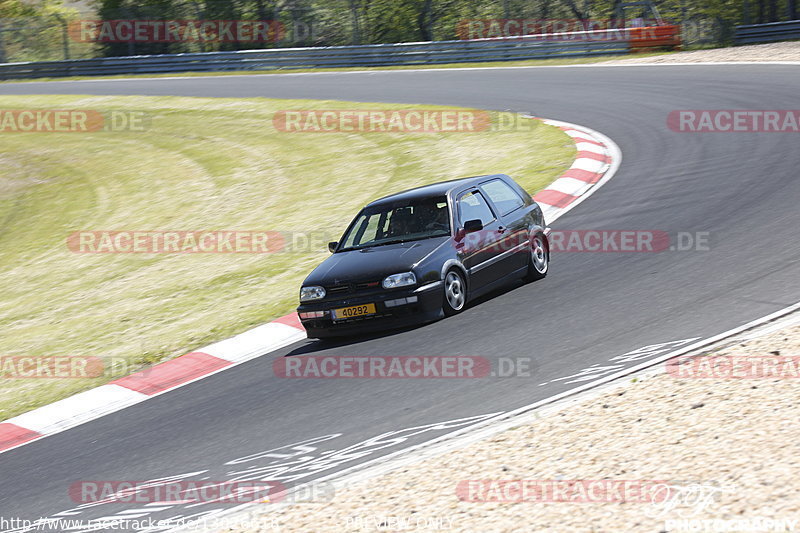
(652,37)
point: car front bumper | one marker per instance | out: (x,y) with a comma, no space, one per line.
(426,308)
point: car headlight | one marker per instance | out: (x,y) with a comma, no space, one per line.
(311,293)
(399,280)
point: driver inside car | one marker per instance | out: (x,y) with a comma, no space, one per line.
(429,217)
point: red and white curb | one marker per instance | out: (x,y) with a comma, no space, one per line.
(597,160)
(138,387)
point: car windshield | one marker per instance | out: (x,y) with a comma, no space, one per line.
(399,222)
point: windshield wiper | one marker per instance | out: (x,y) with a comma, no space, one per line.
(394,241)
(363,246)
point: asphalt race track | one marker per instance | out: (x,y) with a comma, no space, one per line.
(741,188)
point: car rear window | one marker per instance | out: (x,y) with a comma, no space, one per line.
(503,196)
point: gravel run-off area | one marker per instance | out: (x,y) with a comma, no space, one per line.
(727,448)
(784,51)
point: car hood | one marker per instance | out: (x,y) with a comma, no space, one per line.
(372,263)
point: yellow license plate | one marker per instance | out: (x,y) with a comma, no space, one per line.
(354,311)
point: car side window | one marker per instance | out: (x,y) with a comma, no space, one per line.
(503,196)
(473,206)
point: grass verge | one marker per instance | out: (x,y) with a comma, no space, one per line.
(203,164)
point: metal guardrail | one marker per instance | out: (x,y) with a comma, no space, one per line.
(766,33)
(575,44)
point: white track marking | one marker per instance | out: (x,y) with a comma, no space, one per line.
(589,165)
(418,70)
(77,409)
(569,186)
(251,344)
(613,152)
(590,147)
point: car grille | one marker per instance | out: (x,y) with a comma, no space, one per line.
(352,288)
(339,289)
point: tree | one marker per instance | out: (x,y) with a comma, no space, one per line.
(35,30)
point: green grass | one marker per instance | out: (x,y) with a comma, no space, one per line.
(204,164)
(486,64)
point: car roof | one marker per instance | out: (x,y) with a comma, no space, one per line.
(441,188)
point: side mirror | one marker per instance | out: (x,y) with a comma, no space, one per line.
(332,246)
(473,225)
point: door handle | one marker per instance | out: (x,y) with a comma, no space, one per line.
(501,229)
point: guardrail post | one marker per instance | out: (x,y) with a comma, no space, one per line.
(2,48)
(64,34)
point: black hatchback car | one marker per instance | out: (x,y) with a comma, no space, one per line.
(422,254)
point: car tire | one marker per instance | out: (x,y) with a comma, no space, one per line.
(455,292)
(538,258)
